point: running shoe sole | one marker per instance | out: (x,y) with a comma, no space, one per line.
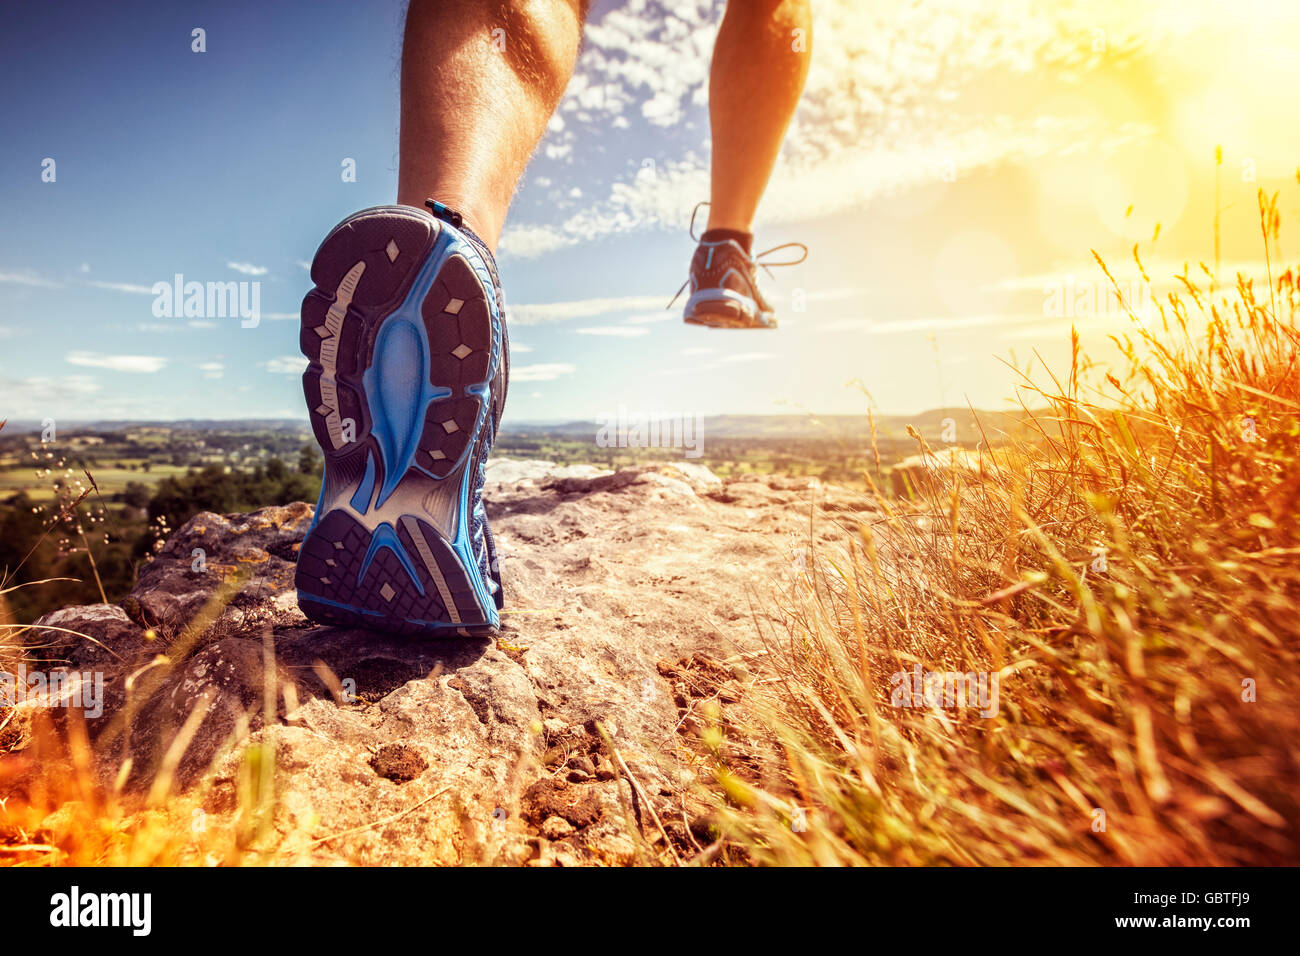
(725,309)
(403,338)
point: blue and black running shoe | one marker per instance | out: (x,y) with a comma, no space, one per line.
(409,363)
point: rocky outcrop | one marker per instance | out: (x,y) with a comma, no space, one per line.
(559,741)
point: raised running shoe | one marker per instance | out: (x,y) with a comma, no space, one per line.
(723,282)
(405,334)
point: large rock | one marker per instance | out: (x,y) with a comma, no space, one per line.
(619,587)
(87,637)
(516,471)
(260,547)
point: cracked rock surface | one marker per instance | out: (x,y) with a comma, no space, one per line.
(628,595)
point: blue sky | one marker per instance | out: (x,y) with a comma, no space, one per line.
(951,166)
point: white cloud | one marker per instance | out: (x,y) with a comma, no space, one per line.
(529,242)
(645,318)
(146,364)
(247,268)
(84,268)
(27,278)
(519,347)
(42,395)
(130,287)
(558,150)
(828,295)
(849,325)
(616,331)
(747,357)
(165,328)
(288,365)
(577,309)
(697,350)
(543,372)
(643,53)
(281,316)
(152,328)
(925,324)
(212,369)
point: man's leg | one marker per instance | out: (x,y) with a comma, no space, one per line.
(403,331)
(479,83)
(759,66)
(760,60)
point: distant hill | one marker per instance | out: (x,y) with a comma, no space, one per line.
(756,427)
(811,427)
(232,425)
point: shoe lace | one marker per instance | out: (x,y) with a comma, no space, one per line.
(757,260)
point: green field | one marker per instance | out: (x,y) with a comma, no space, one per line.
(110,480)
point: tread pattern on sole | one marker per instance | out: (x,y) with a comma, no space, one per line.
(724,317)
(722,313)
(368,262)
(339,562)
(399,376)
(459,326)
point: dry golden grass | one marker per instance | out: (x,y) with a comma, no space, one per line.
(1154,680)
(62,810)
(64,805)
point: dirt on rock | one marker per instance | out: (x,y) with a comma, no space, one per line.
(398,762)
(578,806)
